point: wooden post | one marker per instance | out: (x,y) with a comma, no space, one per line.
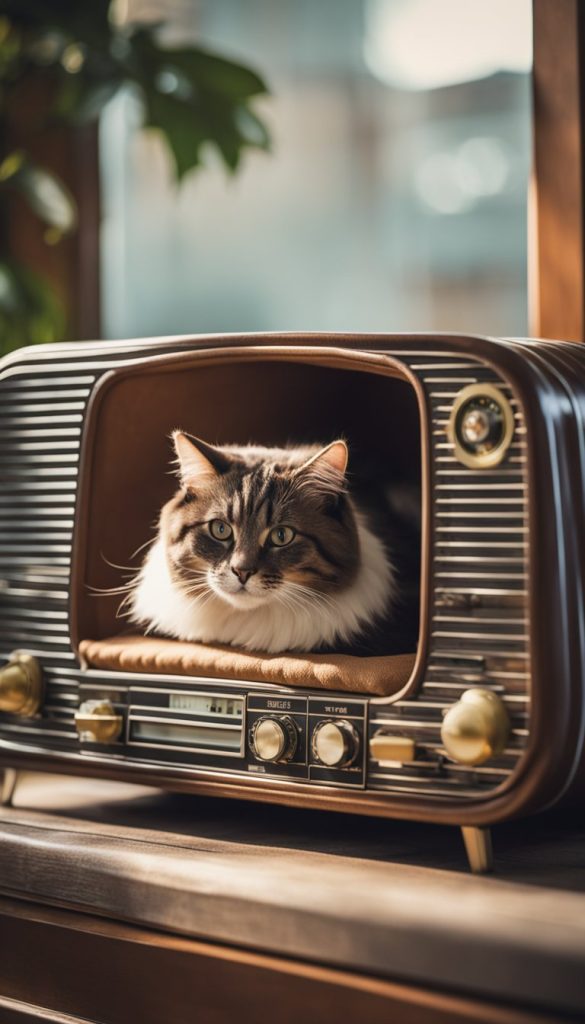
(72,266)
(557,224)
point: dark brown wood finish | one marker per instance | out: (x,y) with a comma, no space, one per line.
(111,973)
(555,738)
(71,153)
(559,171)
(123,905)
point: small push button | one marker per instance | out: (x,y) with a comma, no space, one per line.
(388,747)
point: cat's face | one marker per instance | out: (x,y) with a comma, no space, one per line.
(253,525)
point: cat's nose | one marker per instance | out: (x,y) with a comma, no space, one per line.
(243,574)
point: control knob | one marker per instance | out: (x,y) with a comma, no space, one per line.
(274,738)
(21,685)
(97,722)
(481,426)
(476,727)
(335,743)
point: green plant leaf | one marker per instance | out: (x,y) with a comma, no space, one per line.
(215,74)
(81,99)
(252,128)
(179,123)
(193,97)
(44,193)
(30,313)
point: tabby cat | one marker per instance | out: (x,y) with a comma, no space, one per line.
(264,549)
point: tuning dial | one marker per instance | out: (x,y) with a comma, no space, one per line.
(21,685)
(476,728)
(481,426)
(97,722)
(335,744)
(274,738)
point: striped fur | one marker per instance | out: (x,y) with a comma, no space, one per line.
(326,586)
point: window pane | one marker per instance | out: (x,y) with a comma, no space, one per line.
(395,196)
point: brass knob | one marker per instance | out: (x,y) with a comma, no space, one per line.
(335,744)
(274,738)
(97,722)
(21,685)
(476,727)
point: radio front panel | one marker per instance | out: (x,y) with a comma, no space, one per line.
(477,620)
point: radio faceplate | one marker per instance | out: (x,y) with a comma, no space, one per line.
(188,725)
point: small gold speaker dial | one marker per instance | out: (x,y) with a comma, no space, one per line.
(476,728)
(21,685)
(274,738)
(481,426)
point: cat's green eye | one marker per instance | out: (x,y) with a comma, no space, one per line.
(220,530)
(280,536)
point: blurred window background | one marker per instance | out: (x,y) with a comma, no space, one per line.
(395,195)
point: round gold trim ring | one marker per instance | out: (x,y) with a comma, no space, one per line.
(493,457)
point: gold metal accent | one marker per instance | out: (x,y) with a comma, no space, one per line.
(387,747)
(21,685)
(8,782)
(97,722)
(483,457)
(335,744)
(475,426)
(274,738)
(478,846)
(476,727)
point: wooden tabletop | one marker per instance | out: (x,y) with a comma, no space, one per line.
(390,899)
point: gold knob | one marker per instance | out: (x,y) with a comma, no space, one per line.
(274,738)
(21,685)
(97,722)
(476,727)
(335,744)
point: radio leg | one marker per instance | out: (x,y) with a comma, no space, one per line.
(8,786)
(478,846)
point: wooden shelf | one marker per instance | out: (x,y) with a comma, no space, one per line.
(308,898)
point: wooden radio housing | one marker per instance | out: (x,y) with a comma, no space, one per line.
(478,719)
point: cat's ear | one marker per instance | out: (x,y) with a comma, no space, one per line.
(198,462)
(325,472)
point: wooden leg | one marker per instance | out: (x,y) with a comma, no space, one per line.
(478,846)
(7,786)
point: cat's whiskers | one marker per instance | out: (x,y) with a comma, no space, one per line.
(147,544)
(108,591)
(123,608)
(310,598)
(298,603)
(124,568)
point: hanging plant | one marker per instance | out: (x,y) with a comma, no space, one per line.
(81,58)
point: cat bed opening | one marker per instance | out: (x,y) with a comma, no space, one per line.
(126,477)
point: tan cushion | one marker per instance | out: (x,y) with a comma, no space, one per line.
(381,676)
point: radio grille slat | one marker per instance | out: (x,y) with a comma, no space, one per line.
(39,452)
(480,545)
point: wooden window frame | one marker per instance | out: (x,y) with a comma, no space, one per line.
(557,244)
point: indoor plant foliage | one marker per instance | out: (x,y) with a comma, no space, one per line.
(79,57)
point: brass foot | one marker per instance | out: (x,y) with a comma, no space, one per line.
(478,846)
(8,784)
